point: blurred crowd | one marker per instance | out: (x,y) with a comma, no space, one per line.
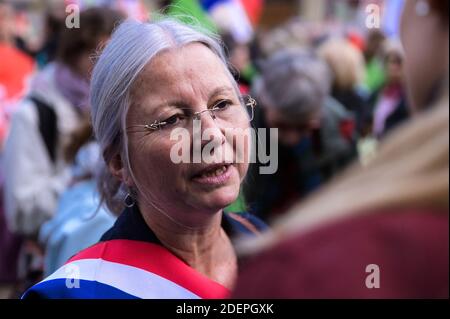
(334,93)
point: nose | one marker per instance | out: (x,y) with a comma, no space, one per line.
(211,131)
(207,130)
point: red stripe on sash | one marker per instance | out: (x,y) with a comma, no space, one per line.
(158,260)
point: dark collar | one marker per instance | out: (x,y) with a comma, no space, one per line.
(131,225)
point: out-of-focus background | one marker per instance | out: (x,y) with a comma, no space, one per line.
(361,99)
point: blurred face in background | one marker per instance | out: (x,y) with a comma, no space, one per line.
(394,68)
(425,41)
(76,46)
(84,63)
(240,57)
(374,43)
(291,130)
(292,89)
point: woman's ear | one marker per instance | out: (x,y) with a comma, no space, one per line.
(118,169)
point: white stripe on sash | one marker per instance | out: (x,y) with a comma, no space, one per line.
(132,280)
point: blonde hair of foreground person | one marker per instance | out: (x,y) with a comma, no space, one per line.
(411,169)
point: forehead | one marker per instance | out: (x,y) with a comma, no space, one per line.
(188,72)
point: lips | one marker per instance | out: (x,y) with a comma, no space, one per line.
(213,174)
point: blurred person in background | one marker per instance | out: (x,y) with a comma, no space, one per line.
(34,166)
(379,231)
(347,65)
(15,70)
(313,131)
(389,107)
(374,71)
(238,55)
(54,24)
(241,67)
(293,34)
(241,58)
(80,220)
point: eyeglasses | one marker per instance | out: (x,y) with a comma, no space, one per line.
(223,110)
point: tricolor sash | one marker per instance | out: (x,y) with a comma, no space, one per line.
(127,269)
(131,262)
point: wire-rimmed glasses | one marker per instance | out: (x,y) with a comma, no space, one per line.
(223,110)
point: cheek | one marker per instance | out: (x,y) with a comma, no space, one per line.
(151,164)
(240,141)
(242,169)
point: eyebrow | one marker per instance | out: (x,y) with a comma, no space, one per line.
(219,90)
(183,105)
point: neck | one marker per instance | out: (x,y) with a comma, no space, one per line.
(205,248)
(194,244)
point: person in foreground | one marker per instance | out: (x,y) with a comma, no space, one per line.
(172,239)
(380,231)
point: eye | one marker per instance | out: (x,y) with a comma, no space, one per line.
(172,120)
(222,105)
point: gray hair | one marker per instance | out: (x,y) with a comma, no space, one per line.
(296,82)
(130,48)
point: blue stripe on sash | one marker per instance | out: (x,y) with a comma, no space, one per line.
(57,288)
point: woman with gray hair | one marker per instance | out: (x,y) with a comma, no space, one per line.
(153,82)
(314,131)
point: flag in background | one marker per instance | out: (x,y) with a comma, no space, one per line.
(185,10)
(230,16)
(236,17)
(391,17)
(253,8)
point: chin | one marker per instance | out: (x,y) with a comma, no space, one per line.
(219,198)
